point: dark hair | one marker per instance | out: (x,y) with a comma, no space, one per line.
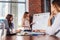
(8,19)
(9,16)
(56,2)
(25,14)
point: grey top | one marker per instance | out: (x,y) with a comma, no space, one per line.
(5,22)
(53,20)
(6,26)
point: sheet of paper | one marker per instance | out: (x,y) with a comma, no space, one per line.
(40,20)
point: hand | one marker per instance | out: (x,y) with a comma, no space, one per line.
(43,31)
(51,16)
(32,23)
(36,30)
(18,31)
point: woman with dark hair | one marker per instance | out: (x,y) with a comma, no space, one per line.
(9,18)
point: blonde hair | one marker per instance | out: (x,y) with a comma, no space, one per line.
(56,3)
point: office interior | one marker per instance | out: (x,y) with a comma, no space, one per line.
(36,9)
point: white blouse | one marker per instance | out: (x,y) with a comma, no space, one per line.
(55,26)
(26,24)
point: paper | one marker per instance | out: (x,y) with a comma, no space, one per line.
(40,20)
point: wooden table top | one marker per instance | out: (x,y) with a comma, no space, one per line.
(40,37)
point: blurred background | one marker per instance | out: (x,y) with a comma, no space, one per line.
(18,7)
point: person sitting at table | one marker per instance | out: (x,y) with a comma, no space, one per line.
(26,21)
(54,27)
(9,18)
(55,12)
(51,19)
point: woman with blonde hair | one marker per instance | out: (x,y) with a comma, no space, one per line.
(55,13)
(55,9)
(26,21)
(54,27)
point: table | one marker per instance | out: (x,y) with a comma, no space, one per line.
(40,37)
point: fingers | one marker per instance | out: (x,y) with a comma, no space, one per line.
(39,31)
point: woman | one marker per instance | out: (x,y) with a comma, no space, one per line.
(26,22)
(9,18)
(55,12)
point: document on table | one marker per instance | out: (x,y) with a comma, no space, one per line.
(31,33)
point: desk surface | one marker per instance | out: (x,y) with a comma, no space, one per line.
(40,37)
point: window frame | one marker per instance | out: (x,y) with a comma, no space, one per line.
(14,2)
(45,6)
(11,2)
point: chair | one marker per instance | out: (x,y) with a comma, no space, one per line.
(3,27)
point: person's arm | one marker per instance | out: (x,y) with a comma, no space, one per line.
(12,26)
(23,22)
(51,30)
(50,20)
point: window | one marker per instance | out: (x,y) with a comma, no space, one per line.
(51,1)
(15,7)
(21,0)
(22,7)
(4,0)
(4,8)
(47,5)
(21,10)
